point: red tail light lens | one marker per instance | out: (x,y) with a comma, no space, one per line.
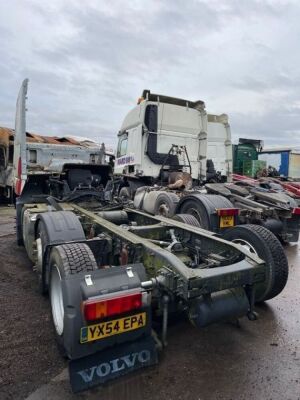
(226,212)
(18,180)
(19,171)
(296,211)
(18,187)
(105,307)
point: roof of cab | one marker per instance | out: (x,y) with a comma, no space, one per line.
(147,95)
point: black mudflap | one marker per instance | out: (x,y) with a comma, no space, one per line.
(112,363)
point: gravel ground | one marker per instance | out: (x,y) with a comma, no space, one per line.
(256,360)
(28,350)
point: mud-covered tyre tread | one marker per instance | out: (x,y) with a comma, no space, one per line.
(187,219)
(219,201)
(76,257)
(281,268)
(280,264)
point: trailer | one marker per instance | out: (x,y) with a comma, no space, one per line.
(111,271)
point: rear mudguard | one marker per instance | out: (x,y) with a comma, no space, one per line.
(210,202)
(77,288)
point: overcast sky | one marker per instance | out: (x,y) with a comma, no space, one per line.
(88,62)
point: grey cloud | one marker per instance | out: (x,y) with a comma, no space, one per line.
(88,62)
(255,84)
(278,126)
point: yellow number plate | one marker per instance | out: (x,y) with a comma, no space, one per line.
(226,221)
(110,328)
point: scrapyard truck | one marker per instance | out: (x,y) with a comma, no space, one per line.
(111,271)
(167,150)
(37,150)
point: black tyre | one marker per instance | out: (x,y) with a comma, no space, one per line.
(264,243)
(203,208)
(198,211)
(66,259)
(166,204)
(41,234)
(19,225)
(187,219)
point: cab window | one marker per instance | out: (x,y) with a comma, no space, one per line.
(122,147)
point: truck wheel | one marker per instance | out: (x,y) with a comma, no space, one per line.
(187,219)
(259,240)
(42,241)
(198,211)
(66,259)
(165,204)
(19,225)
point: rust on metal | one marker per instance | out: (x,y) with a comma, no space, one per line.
(7,135)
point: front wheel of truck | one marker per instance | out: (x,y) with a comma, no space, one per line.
(260,241)
(67,259)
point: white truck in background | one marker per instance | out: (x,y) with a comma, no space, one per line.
(219,145)
(162,135)
(173,157)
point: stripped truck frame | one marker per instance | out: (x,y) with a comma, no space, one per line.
(111,271)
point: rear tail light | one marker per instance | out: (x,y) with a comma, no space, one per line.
(18,181)
(18,186)
(106,306)
(19,169)
(226,212)
(296,211)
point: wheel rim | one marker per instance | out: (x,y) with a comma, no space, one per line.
(57,304)
(39,249)
(163,209)
(246,245)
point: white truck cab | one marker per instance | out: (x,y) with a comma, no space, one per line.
(163,133)
(219,145)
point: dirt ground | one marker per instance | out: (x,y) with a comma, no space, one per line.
(28,352)
(256,360)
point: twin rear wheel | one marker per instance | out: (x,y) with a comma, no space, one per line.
(260,241)
(254,238)
(66,259)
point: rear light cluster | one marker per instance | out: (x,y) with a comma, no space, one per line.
(226,212)
(296,211)
(102,307)
(18,182)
